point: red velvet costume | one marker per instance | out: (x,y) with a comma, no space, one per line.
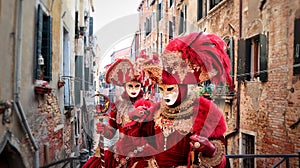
(190,132)
(118,155)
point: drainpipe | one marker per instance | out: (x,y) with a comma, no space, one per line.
(18,61)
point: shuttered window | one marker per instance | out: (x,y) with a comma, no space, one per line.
(170,30)
(86,78)
(170,3)
(230,52)
(43,45)
(76,25)
(199,9)
(253,59)
(147,27)
(182,20)
(213,3)
(78,79)
(248,148)
(91,27)
(160,11)
(296,69)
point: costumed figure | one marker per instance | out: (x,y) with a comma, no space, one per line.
(188,129)
(121,73)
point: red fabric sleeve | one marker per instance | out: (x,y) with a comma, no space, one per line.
(209,121)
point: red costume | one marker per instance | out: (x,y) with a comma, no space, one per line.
(191,130)
(121,73)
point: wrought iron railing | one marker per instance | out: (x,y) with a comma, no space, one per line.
(80,160)
(284,158)
(71,162)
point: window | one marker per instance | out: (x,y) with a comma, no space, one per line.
(153,20)
(76,25)
(147,26)
(296,69)
(248,148)
(68,103)
(213,3)
(170,3)
(182,20)
(160,10)
(201,9)
(253,58)
(43,45)
(230,52)
(78,79)
(170,30)
(161,43)
(91,27)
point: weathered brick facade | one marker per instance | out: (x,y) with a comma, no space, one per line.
(266,110)
(43,126)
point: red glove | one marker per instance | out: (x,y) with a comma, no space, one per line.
(139,113)
(203,145)
(107,131)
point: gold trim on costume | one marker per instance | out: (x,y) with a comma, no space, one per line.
(216,160)
(185,109)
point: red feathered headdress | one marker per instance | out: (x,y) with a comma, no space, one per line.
(121,72)
(191,59)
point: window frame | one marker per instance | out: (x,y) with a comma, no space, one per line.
(296,55)
(248,147)
(43,45)
(182,20)
(253,58)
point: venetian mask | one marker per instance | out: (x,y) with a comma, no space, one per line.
(169,93)
(133,89)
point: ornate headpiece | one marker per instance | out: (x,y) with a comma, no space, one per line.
(191,59)
(121,72)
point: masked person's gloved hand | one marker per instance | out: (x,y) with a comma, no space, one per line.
(203,145)
(107,131)
(141,111)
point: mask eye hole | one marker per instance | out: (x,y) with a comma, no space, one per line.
(170,89)
(130,85)
(160,89)
(137,86)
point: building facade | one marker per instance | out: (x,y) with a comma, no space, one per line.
(47,59)
(263,111)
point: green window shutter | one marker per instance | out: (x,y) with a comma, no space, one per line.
(181,19)
(86,78)
(50,52)
(296,69)
(241,59)
(76,25)
(170,30)
(231,56)
(47,47)
(39,35)
(91,27)
(263,63)
(78,78)
(244,59)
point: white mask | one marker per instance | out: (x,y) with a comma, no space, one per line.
(133,89)
(169,93)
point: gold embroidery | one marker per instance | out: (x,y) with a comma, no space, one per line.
(122,111)
(179,119)
(216,160)
(154,73)
(174,64)
(185,109)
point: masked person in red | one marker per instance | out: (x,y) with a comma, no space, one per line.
(188,129)
(122,153)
